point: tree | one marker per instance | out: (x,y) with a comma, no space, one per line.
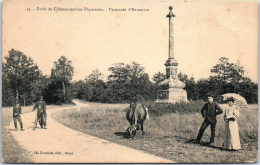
(92,89)
(119,73)
(81,90)
(8,98)
(95,76)
(61,75)
(96,84)
(190,86)
(204,89)
(21,73)
(229,78)
(227,72)
(249,90)
(159,77)
(127,81)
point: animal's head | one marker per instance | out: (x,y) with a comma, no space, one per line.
(131,132)
(132,105)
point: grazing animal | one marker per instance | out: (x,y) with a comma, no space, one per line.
(136,116)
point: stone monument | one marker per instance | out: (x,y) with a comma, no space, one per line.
(171,89)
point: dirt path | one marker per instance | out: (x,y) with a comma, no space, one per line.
(60,144)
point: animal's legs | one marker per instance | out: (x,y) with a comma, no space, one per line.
(142,128)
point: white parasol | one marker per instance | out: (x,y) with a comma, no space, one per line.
(239,100)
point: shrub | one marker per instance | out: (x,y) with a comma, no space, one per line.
(182,107)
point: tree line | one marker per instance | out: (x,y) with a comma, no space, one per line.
(23,80)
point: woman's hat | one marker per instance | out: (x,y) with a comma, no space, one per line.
(230,99)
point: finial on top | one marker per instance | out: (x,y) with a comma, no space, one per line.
(170,13)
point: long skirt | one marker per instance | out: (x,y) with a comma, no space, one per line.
(232,141)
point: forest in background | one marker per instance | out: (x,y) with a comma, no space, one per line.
(23,80)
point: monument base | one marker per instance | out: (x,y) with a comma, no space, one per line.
(171,95)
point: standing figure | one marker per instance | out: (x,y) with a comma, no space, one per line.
(41,112)
(231,114)
(17,110)
(209,112)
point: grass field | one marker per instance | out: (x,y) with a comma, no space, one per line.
(12,152)
(169,135)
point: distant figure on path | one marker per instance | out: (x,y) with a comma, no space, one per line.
(209,112)
(231,114)
(17,110)
(41,112)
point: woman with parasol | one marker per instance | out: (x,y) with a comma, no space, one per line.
(231,114)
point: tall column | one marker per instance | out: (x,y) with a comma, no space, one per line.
(171,64)
(171,89)
(170,16)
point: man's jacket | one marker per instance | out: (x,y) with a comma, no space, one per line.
(17,111)
(41,107)
(210,110)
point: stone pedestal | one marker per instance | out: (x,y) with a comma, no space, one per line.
(171,92)
(172,95)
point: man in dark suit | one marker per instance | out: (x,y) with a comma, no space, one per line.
(209,112)
(41,112)
(17,110)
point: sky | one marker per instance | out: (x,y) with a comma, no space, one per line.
(204,31)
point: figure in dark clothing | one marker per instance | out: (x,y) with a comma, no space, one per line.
(41,112)
(17,110)
(209,112)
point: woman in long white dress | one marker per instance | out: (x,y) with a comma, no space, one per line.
(231,114)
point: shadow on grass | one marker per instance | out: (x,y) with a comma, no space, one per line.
(192,141)
(205,144)
(122,134)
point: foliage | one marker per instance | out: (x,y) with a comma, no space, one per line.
(59,90)
(125,83)
(190,86)
(229,78)
(248,90)
(181,107)
(81,90)
(8,98)
(20,75)
(95,76)
(131,82)
(63,70)
(227,71)
(159,77)
(92,89)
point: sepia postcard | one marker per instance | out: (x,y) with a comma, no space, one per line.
(129,81)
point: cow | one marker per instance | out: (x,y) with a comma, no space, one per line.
(136,115)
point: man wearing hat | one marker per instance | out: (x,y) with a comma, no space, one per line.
(209,112)
(17,110)
(41,112)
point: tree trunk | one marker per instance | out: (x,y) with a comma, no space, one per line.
(64,91)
